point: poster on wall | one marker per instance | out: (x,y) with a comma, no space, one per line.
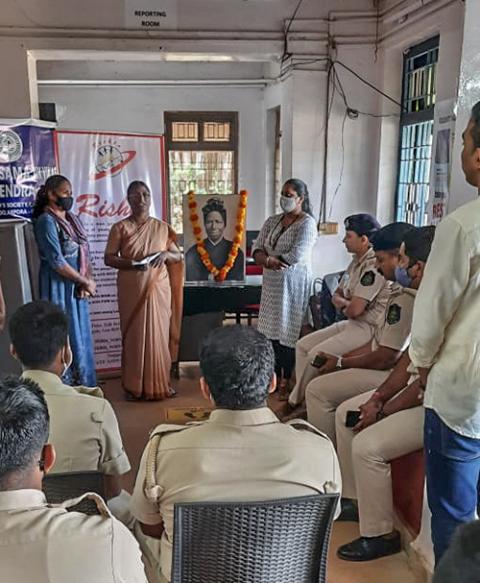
(214,244)
(443,136)
(27,159)
(100,167)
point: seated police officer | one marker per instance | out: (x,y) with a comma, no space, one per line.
(83,425)
(241,453)
(359,371)
(361,296)
(390,426)
(40,543)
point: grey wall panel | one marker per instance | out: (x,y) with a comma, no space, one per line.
(15,278)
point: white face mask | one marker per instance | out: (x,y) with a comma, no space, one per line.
(288,204)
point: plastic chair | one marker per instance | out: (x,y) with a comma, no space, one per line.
(278,541)
(64,486)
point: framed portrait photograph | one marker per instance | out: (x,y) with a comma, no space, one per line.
(216,217)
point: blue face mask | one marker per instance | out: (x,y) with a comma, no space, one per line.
(402,277)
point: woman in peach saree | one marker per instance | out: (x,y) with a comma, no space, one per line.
(150,297)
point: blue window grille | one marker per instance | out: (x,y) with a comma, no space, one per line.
(416,130)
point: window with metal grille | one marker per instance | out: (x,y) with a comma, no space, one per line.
(202,155)
(416,129)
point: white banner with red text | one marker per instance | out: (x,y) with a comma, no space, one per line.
(100,167)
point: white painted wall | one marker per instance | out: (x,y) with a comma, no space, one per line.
(141,110)
(469,94)
(192,14)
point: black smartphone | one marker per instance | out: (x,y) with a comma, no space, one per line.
(353,417)
(319,361)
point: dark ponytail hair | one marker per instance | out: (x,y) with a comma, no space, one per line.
(302,190)
(136,184)
(41,200)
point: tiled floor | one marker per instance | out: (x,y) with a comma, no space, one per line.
(137,419)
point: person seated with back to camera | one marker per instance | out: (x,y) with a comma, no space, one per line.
(390,425)
(343,377)
(40,543)
(361,296)
(241,453)
(83,425)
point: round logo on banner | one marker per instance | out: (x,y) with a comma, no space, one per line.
(11,146)
(110,160)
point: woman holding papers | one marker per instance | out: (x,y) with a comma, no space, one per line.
(150,280)
(66,272)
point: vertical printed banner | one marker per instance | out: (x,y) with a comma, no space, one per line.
(27,159)
(100,167)
(444,128)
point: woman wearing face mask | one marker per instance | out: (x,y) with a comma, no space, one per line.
(284,248)
(66,272)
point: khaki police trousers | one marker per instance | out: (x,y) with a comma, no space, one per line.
(327,392)
(365,461)
(337,340)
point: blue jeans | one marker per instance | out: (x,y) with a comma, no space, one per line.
(453,468)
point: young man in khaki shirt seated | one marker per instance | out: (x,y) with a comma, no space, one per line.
(241,453)
(40,543)
(83,425)
(343,377)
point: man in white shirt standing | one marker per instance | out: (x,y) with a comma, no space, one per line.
(445,347)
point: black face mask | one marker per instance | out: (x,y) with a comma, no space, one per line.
(65,202)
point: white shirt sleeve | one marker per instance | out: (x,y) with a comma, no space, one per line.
(444,282)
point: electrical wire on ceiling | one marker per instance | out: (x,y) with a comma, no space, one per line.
(336,88)
(286,54)
(377,29)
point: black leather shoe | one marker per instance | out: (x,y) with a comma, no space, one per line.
(349,511)
(368,549)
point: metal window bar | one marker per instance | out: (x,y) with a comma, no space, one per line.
(416,129)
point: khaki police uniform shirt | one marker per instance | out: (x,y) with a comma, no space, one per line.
(235,455)
(83,427)
(44,544)
(362,280)
(395,327)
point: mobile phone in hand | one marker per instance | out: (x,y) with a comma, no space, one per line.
(319,361)
(353,417)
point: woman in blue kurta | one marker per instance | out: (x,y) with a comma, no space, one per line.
(65,272)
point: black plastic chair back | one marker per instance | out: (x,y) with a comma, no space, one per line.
(278,541)
(64,486)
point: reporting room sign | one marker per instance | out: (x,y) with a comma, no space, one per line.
(151,14)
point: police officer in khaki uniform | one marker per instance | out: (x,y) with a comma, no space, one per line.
(41,543)
(242,452)
(390,426)
(361,295)
(344,377)
(83,426)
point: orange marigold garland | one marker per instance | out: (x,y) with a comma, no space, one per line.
(219,274)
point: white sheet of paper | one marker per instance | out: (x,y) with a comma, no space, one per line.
(146,260)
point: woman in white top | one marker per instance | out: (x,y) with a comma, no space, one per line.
(283,248)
